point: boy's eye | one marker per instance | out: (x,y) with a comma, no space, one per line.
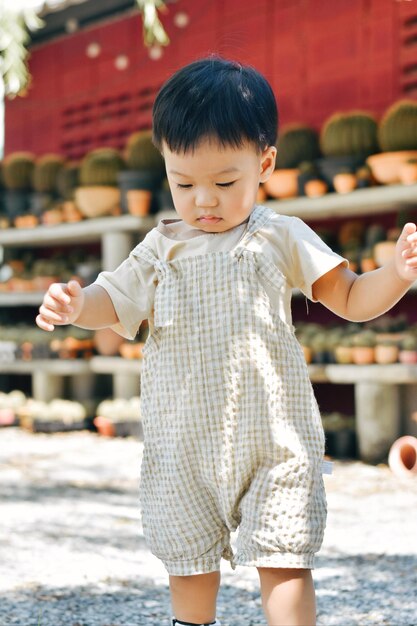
(183,186)
(226,184)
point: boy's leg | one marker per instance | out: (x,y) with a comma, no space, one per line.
(288,596)
(193,598)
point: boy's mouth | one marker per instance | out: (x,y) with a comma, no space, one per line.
(209,219)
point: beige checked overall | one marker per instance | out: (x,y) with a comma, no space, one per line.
(232,430)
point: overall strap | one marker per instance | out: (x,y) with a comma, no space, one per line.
(259,216)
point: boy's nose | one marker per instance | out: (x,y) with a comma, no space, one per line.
(205,198)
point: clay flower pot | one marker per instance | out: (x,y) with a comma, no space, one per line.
(139,202)
(384,252)
(315,188)
(402,457)
(343,354)
(282,184)
(386,166)
(104,426)
(408,173)
(97,200)
(308,353)
(363,355)
(385,354)
(408,357)
(344,182)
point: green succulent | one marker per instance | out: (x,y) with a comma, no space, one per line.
(398,127)
(409,342)
(365,339)
(45,172)
(100,167)
(351,133)
(17,171)
(141,154)
(296,143)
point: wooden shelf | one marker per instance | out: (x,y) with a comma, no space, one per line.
(16,298)
(50,367)
(84,231)
(115,365)
(374,200)
(394,374)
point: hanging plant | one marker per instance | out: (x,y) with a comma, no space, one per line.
(154,33)
(15,24)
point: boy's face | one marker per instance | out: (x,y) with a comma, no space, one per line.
(214,188)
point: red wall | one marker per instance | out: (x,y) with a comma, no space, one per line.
(319,55)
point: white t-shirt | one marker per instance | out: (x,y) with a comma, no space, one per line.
(300,254)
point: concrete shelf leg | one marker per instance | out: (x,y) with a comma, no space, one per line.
(115,249)
(46,387)
(126,385)
(378,419)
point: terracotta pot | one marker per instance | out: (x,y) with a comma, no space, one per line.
(368,265)
(402,457)
(107,342)
(52,217)
(343,354)
(315,188)
(345,183)
(386,354)
(282,184)
(26,221)
(408,173)
(97,200)
(387,165)
(70,213)
(384,252)
(139,201)
(362,355)
(128,350)
(409,357)
(104,426)
(308,353)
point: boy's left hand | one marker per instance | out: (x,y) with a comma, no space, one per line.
(406,253)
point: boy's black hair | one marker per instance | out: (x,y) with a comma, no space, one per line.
(214,98)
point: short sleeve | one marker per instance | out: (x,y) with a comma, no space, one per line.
(310,257)
(131,288)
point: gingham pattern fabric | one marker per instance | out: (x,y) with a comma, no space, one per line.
(232,430)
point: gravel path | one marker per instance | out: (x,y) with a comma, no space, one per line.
(72,551)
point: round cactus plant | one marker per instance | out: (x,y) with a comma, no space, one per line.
(349,134)
(46,171)
(297,143)
(17,171)
(68,180)
(141,153)
(100,167)
(398,127)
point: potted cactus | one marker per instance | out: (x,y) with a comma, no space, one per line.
(363,352)
(408,349)
(343,351)
(68,179)
(119,418)
(44,177)
(346,140)
(297,143)
(145,171)
(397,136)
(99,194)
(408,172)
(364,177)
(345,180)
(320,347)
(386,350)
(309,180)
(17,174)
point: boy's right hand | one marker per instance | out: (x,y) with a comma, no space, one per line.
(62,304)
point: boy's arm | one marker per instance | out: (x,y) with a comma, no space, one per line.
(69,303)
(361,298)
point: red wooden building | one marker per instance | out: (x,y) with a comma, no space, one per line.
(96,85)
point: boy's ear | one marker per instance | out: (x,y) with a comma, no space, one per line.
(268,158)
